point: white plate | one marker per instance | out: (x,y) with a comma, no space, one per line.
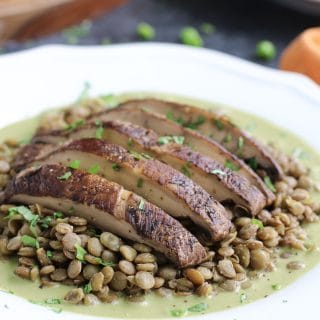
(50,76)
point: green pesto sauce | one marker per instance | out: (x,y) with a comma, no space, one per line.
(158,307)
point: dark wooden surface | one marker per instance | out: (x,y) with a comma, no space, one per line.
(239,24)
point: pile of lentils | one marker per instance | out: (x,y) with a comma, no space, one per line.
(100,267)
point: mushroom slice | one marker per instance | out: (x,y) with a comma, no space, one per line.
(198,142)
(108,206)
(225,185)
(157,182)
(217,127)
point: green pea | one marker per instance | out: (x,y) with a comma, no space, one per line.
(145,31)
(266,50)
(191,37)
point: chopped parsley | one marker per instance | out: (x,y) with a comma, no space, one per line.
(218,172)
(115,167)
(139,156)
(75,125)
(99,131)
(141,205)
(231,166)
(75,164)
(187,124)
(218,124)
(200,307)
(30,241)
(253,164)
(257,222)
(170,116)
(45,222)
(240,143)
(52,301)
(57,215)
(243,298)
(185,171)
(269,183)
(49,254)
(80,253)
(27,214)
(87,288)
(65,176)
(167,139)
(276,286)
(24,211)
(195,124)
(227,138)
(140,183)
(31,218)
(105,263)
(130,142)
(94,169)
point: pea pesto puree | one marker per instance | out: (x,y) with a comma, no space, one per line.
(175,306)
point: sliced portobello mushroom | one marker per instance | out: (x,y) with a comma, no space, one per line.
(198,142)
(155,181)
(108,206)
(217,127)
(225,185)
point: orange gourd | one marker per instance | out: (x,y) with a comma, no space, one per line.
(303,54)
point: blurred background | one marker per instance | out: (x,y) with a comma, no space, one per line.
(231,26)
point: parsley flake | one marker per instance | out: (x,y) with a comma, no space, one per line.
(30,241)
(253,164)
(269,183)
(240,143)
(141,205)
(257,222)
(185,171)
(116,167)
(87,288)
(231,166)
(243,298)
(75,125)
(218,124)
(130,142)
(167,139)
(80,253)
(276,286)
(94,169)
(65,176)
(99,130)
(52,301)
(140,183)
(200,307)
(218,172)
(227,138)
(75,164)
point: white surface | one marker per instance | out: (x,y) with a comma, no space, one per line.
(34,80)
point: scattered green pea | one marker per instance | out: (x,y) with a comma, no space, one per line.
(145,31)
(266,50)
(190,36)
